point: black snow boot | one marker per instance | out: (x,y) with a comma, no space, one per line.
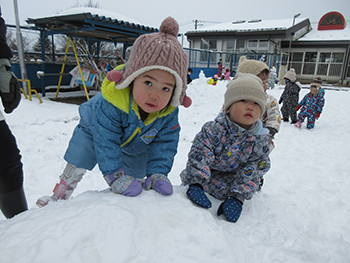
(13,203)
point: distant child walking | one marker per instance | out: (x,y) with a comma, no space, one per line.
(131,128)
(311,105)
(290,97)
(230,154)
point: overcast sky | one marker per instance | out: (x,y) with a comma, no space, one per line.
(184,11)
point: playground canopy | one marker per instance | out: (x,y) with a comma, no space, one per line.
(91,26)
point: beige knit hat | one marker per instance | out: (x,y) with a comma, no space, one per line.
(254,67)
(159,50)
(245,87)
(291,75)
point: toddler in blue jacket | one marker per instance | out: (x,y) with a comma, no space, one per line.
(131,128)
(311,105)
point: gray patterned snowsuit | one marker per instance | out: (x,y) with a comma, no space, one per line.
(228,160)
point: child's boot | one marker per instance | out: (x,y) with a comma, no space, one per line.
(298,124)
(69,179)
(61,191)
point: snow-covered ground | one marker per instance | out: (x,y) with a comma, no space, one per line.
(302,213)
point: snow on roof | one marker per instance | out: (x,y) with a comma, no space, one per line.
(251,25)
(282,24)
(327,35)
(99,12)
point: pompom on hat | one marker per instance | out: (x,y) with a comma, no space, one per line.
(159,50)
(291,75)
(245,87)
(251,66)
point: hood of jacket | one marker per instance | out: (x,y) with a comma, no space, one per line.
(120,98)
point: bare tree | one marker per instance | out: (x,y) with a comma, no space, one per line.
(82,45)
(11,39)
(12,43)
(89,3)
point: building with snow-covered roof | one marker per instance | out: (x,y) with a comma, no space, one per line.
(324,51)
(313,49)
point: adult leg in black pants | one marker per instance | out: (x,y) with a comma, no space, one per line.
(12,197)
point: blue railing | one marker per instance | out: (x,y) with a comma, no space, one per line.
(204,60)
(207,60)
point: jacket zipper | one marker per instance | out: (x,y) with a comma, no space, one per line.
(138,130)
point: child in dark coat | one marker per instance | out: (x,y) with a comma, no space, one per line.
(311,105)
(189,72)
(229,155)
(290,97)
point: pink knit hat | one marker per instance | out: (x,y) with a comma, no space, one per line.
(159,50)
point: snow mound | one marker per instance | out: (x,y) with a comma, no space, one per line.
(301,215)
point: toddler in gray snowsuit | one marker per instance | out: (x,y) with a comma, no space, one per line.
(229,155)
(290,97)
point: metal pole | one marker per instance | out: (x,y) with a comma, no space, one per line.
(291,38)
(20,47)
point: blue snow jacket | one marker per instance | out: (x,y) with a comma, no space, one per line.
(112,134)
(228,160)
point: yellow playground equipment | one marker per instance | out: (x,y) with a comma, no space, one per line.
(80,71)
(30,90)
